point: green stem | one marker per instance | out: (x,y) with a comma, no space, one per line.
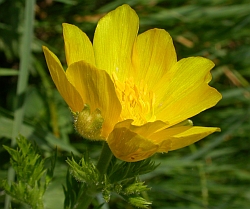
(86,201)
(102,166)
(104,159)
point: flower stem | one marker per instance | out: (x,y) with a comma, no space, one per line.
(86,201)
(104,159)
(102,166)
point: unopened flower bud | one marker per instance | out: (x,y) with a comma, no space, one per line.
(89,124)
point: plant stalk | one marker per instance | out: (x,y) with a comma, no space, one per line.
(104,159)
(102,166)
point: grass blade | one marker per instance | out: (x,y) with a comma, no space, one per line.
(25,60)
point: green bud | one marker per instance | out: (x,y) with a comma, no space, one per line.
(89,124)
(187,122)
(118,188)
(106,194)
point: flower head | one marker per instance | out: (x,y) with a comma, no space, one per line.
(129,89)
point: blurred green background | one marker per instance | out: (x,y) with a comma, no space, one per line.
(214,173)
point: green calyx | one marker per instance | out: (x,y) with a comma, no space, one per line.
(89,124)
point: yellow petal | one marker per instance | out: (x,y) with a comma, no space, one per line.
(145,130)
(187,92)
(77,45)
(130,143)
(154,55)
(97,90)
(191,136)
(130,146)
(149,128)
(66,89)
(180,136)
(191,104)
(114,38)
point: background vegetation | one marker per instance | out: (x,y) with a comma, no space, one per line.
(213,173)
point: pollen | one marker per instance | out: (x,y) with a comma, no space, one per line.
(136,100)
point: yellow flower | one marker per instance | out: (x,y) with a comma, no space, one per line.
(129,89)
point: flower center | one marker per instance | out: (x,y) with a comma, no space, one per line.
(137,101)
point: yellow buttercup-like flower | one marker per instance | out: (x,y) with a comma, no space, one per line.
(129,89)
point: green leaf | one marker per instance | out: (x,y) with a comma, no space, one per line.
(8,72)
(84,171)
(73,191)
(28,165)
(125,170)
(139,202)
(50,171)
(135,188)
(30,171)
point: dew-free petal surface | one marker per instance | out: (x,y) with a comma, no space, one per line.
(191,136)
(77,45)
(114,38)
(154,55)
(97,90)
(187,92)
(186,107)
(66,89)
(144,130)
(130,146)
(131,143)
(180,136)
